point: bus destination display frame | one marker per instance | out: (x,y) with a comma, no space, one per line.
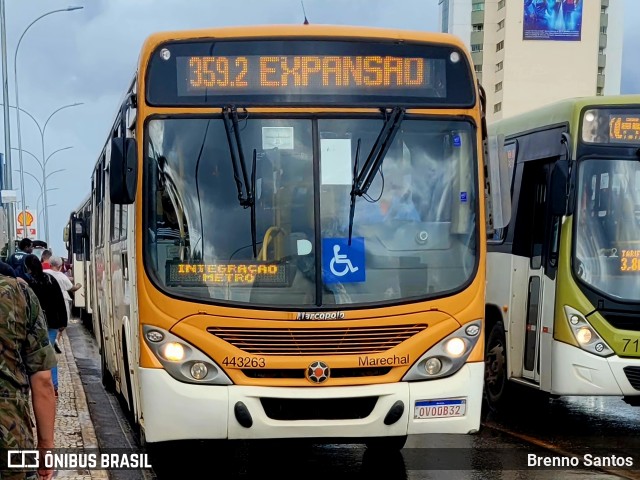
(308,72)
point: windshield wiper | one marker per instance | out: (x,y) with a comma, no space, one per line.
(352,204)
(362,179)
(246,190)
(253,203)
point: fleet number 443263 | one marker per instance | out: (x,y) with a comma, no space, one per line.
(244,362)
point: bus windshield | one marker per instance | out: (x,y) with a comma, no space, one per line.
(414,233)
(607,245)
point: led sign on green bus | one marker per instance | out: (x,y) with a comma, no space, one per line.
(624,128)
(611,125)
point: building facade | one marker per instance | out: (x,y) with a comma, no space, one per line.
(528,53)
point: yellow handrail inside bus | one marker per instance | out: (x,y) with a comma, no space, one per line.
(269,234)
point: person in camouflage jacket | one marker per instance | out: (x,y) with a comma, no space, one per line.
(26,360)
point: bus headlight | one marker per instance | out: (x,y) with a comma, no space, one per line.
(586,336)
(173,351)
(448,355)
(455,347)
(583,336)
(181,360)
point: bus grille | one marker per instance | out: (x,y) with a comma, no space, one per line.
(633,375)
(318,409)
(316,341)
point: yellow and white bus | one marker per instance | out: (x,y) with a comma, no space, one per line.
(563,312)
(288,236)
(79,258)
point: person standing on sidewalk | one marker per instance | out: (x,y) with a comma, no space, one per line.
(46,255)
(26,360)
(66,286)
(65,283)
(51,300)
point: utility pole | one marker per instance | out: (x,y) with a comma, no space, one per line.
(8,183)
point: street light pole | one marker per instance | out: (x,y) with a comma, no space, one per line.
(40,184)
(15,75)
(38,209)
(42,130)
(48,175)
(7,179)
(43,166)
(42,211)
(45,176)
(44,169)
(32,155)
(35,178)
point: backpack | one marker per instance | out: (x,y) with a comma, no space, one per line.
(51,300)
(17,262)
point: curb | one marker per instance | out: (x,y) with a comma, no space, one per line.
(88,433)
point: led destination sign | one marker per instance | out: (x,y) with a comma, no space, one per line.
(303,73)
(630,261)
(189,274)
(611,126)
(309,72)
(624,128)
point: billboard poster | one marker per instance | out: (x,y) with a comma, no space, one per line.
(559,20)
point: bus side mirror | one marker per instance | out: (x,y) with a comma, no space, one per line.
(123,171)
(65,234)
(499,183)
(79,232)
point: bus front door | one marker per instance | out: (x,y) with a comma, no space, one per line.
(541,288)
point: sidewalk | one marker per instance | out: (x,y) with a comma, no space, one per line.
(74,428)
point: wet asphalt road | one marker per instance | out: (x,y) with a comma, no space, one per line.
(553,428)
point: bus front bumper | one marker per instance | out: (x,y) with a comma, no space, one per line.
(173,410)
(576,372)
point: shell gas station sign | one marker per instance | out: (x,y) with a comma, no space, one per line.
(26,226)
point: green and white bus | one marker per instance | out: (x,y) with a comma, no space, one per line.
(563,297)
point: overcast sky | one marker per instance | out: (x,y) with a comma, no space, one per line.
(89,56)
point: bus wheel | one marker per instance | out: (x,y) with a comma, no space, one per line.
(386,444)
(495,361)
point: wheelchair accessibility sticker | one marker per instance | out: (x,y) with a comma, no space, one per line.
(342,263)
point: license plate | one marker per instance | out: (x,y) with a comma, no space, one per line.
(450,407)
